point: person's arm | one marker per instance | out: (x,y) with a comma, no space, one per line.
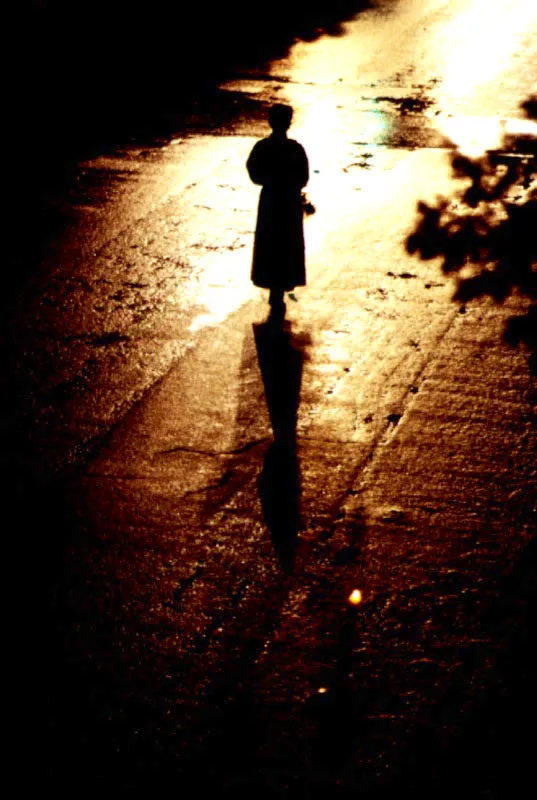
(304,171)
(254,165)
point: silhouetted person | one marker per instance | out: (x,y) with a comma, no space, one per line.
(280,166)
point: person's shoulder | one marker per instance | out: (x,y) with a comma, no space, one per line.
(261,146)
(296,145)
(258,151)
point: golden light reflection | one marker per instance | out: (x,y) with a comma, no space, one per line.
(478,45)
(480,41)
(322,690)
(218,230)
(355,597)
(473,136)
(223,290)
(334,139)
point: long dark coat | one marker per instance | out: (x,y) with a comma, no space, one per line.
(280,166)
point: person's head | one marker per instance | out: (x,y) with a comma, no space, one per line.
(280,117)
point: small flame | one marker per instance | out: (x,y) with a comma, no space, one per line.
(355,597)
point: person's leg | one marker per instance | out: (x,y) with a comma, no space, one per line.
(276,297)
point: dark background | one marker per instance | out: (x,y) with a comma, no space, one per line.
(98,66)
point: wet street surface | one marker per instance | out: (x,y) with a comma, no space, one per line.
(296,559)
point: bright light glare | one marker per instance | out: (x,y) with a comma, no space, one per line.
(477,45)
(355,597)
(475,135)
(372,127)
(481,40)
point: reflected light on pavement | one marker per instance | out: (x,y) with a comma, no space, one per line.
(223,291)
(481,40)
(323,130)
(474,135)
(476,46)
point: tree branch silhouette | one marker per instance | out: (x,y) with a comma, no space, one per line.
(487,233)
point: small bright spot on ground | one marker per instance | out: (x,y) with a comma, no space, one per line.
(355,597)
(322,690)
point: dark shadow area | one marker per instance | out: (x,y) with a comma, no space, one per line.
(93,707)
(280,361)
(337,713)
(37,534)
(87,717)
(486,233)
(478,742)
(121,730)
(102,67)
